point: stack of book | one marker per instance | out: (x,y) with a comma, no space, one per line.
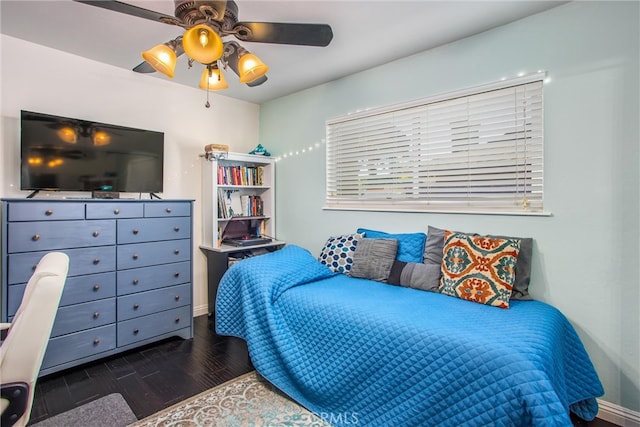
(240,175)
(233,204)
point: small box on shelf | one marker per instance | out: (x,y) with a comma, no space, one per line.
(216,151)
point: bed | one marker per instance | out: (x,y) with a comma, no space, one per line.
(361,351)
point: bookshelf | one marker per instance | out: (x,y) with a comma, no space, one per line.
(238,200)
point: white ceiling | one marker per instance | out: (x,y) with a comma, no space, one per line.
(366,34)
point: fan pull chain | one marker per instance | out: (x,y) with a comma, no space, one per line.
(207,105)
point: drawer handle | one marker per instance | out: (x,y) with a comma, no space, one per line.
(48,212)
(176,228)
(168,210)
(96,233)
(177,320)
(176,251)
(136,281)
(136,331)
(96,341)
(116,211)
(136,306)
(96,315)
(176,274)
(177,297)
(135,256)
(136,231)
(96,261)
(96,287)
(35,237)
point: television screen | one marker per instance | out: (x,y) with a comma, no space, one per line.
(60,153)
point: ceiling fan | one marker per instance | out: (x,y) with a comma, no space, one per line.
(205,24)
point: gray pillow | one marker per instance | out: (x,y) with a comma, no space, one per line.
(415,275)
(523,269)
(373,258)
(435,246)
(433,254)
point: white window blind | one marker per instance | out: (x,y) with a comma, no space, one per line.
(476,150)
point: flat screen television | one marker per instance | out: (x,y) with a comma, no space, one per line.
(65,154)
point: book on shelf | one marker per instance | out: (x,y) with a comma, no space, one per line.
(222,204)
(244,203)
(236,205)
(228,203)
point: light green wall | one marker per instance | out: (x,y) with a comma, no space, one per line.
(586,255)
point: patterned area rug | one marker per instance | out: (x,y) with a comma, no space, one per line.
(248,400)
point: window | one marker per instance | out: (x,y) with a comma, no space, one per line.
(478,150)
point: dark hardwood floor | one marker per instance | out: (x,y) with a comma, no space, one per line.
(149,378)
(156,376)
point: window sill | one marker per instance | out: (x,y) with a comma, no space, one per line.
(439,211)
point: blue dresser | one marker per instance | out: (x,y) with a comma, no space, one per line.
(130,272)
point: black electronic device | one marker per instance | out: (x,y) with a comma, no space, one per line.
(105,195)
(66,154)
(247,241)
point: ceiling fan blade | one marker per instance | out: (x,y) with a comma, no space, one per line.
(284,33)
(144,67)
(129,9)
(257,82)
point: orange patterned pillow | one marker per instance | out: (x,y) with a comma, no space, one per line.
(479,268)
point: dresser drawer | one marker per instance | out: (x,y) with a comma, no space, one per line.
(142,328)
(154,253)
(76,290)
(114,210)
(81,261)
(78,317)
(78,345)
(47,235)
(91,287)
(14,298)
(160,209)
(149,302)
(153,229)
(45,211)
(147,278)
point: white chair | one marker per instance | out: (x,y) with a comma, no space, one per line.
(23,349)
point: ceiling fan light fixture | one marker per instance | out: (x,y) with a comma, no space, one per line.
(201,43)
(251,68)
(213,79)
(162,58)
(205,22)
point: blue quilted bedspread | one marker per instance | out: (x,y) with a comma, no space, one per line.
(361,352)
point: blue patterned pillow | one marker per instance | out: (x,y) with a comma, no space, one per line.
(410,245)
(337,253)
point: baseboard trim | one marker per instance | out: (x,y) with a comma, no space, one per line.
(200,310)
(618,415)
